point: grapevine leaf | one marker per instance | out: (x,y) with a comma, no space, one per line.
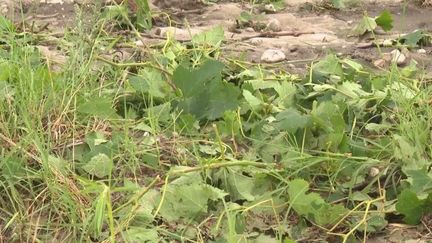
(367,24)
(385,20)
(410,206)
(99,165)
(205,95)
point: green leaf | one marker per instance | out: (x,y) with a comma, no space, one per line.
(140,234)
(187,198)
(99,165)
(353,64)
(311,205)
(420,180)
(205,95)
(239,186)
(291,120)
(98,106)
(286,92)
(328,117)
(194,81)
(413,39)
(147,204)
(330,65)
(255,103)
(410,206)
(367,24)
(150,81)
(385,20)
(212,37)
(94,139)
(230,125)
(59,164)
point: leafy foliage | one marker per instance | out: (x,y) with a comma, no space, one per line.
(368,24)
(311,205)
(204,94)
(192,146)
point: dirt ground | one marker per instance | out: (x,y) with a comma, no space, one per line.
(308,31)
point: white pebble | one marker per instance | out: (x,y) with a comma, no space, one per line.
(421,51)
(373,171)
(274,25)
(272,56)
(398,57)
(387,43)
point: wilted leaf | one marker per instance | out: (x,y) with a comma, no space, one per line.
(367,24)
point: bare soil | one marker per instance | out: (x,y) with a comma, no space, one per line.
(316,28)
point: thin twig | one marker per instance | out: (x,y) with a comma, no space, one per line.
(220,165)
(275,34)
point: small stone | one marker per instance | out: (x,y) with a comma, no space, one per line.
(406,52)
(249,29)
(350,22)
(364,45)
(387,43)
(373,171)
(380,63)
(398,57)
(274,25)
(269,8)
(272,56)
(421,51)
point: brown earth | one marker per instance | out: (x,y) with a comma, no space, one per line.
(308,30)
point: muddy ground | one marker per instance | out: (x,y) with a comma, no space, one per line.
(308,31)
